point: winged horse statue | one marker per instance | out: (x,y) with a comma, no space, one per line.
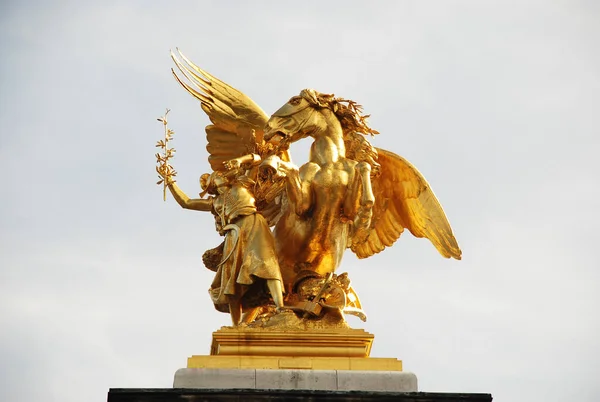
(348,195)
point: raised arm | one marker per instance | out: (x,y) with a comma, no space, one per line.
(248,160)
(197,204)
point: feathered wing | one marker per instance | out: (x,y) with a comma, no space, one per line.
(238,122)
(404,199)
(237,129)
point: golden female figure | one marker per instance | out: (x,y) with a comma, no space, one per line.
(249,257)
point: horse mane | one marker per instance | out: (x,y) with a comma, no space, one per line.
(348,112)
(354,126)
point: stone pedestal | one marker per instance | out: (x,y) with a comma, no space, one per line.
(321,380)
(248,364)
(332,359)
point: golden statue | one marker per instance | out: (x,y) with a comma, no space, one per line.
(348,195)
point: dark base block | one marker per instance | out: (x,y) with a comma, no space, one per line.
(271,395)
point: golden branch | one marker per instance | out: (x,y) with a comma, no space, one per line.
(164,170)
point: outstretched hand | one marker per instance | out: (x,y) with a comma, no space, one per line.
(232,164)
(273,167)
(166,172)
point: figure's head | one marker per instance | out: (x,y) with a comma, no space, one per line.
(213,183)
(204,180)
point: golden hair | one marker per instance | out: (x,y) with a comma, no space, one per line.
(348,112)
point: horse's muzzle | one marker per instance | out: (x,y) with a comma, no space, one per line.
(272,131)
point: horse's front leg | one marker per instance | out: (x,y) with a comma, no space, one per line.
(298,184)
(364,213)
(367,198)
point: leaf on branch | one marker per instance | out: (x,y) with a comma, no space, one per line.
(160,181)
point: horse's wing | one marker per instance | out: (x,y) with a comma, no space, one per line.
(403,199)
(238,122)
(237,129)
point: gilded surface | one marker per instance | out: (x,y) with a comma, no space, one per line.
(348,195)
(322,349)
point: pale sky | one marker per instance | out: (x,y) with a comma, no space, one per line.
(497,103)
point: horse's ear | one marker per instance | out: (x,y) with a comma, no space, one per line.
(335,107)
(310,95)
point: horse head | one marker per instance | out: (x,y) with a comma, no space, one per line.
(308,114)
